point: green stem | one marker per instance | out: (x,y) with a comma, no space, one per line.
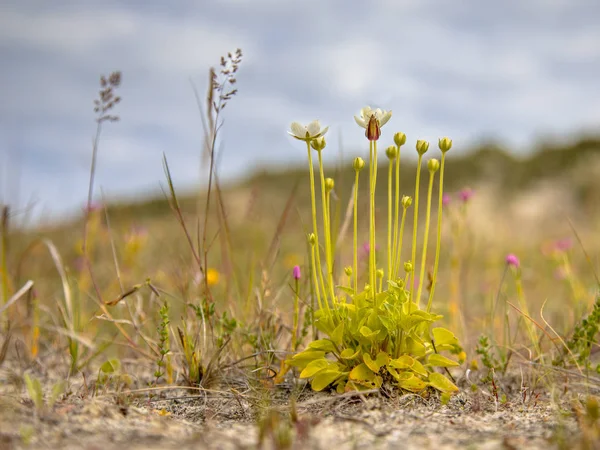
(415,223)
(439,233)
(326,229)
(396,214)
(356,233)
(372,243)
(426,237)
(401,235)
(296,314)
(314,276)
(318,266)
(390,250)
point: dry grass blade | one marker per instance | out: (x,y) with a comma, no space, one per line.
(174,203)
(270,259)
(17,296)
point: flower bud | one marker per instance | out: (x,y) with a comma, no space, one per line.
(422,147)
(391,152)
(329,184)
(296,272)
(445,144)
(348,271)
(318,144)
(512,260)
(433,165)
(312,239)
(406,201)
(408,267)
(379,273)
(358,164)
(399,139)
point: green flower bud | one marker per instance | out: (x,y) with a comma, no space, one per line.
(406,201)
(399,139)
(348,271)
(358,164)
(433,165)
(391,152)
(445,144)
(422,147)
(329,184)
(408,267)
(312,239)
(318,144)
(379,273)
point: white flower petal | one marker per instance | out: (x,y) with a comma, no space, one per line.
(298,130)
(387,115)
(366,113)
(314,128)
(360,121)
(323,131)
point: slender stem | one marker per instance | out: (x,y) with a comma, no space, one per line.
(400,236)
(326,229)
(390,250)
(314,277)
(356,232)
(439,233)
(415,223)
(426,237)
(318,267)
(371,213)
(396,215)
(372,243)
(296,314)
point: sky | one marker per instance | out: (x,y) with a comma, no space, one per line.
(512,71)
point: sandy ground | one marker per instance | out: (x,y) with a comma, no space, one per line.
(227,418)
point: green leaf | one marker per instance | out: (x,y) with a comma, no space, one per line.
(370,363)
(322,344)
(303,358)
(361,373)
(111,366)
(403,362)
(441,383)
(349,353)
(415,348)
(444,339)
(367,332)
(34,389)
(412,383)
(324,379)
(419,368)
(382,359)
(338,334)
(388,323)
(314,367)
(441,361)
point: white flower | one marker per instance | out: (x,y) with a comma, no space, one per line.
(366,113)
(307,133)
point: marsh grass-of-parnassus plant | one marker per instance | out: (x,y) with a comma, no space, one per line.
(375,332)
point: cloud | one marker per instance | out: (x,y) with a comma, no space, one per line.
(469,69)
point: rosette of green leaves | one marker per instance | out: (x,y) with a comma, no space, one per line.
(367,345)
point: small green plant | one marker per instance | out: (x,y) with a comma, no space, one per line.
(583,339)
(375,334)
(34,390)
(163,363)
(489,359)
